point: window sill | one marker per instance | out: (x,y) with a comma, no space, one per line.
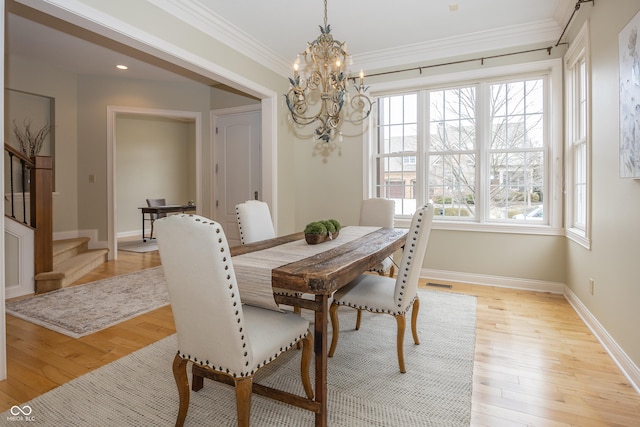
(543,230)
(578,236)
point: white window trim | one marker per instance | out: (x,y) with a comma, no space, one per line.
(554,176)
(580,48)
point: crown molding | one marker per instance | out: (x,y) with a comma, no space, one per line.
(78,13)
(204,19)
(199,16)
(474,43)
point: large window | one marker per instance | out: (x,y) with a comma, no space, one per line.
(481,152)
(578,146)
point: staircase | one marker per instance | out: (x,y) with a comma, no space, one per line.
(72,259)
(56,264)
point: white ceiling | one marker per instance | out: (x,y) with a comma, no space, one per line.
(379,33)
(383,28)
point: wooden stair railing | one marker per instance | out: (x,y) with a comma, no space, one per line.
(40,202)
(42,212)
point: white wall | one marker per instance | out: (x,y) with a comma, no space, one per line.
(95,94)
(615,251)
(40,78)
(152,162)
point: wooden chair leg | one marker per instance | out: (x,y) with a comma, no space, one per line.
(182,382)
(358,319)
(400,320)
(307,354)
(392,271)
(243,400)
(335,328)
(151,236)
(414,320)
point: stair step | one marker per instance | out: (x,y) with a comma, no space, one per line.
(69,270)
(68,248)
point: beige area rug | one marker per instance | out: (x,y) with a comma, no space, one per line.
(84,309)
(138,246)
(365,386)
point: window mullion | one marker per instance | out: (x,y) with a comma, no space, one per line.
(422,166)
(483,138)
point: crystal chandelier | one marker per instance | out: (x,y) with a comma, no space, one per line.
(319,90)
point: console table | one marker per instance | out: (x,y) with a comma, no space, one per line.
(162,210)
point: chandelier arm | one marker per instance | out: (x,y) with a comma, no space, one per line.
(299,108)
(361,104)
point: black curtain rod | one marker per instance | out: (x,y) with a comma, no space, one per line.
(462,61)
(482,59)
(575,9)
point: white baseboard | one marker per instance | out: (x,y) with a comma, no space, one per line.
(629,369)
(124,234)
(499,281)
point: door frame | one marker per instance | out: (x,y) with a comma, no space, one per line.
(266,161)
(112,112)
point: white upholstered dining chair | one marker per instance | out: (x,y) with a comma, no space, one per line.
(254,221)
(216,332)
(381,294)
(255,225)
(379,213)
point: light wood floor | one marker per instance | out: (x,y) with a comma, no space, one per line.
(536,363)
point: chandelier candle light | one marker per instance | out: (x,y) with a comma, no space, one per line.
(319,91)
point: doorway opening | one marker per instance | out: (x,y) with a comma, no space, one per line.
(192,166)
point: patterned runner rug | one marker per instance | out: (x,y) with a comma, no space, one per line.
(365,385)
(84,309)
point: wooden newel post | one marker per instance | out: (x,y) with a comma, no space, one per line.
(41,190)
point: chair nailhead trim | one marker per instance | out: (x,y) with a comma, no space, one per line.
(375,310)
(247,373)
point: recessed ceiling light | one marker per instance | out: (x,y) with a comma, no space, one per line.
(122,67)
(453,7)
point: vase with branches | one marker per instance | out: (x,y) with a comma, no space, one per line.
(31,141)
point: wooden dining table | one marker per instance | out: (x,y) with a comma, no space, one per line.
(321,275)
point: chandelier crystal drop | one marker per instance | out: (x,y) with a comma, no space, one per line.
(319,90)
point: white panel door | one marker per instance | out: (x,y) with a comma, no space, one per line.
(237,167)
